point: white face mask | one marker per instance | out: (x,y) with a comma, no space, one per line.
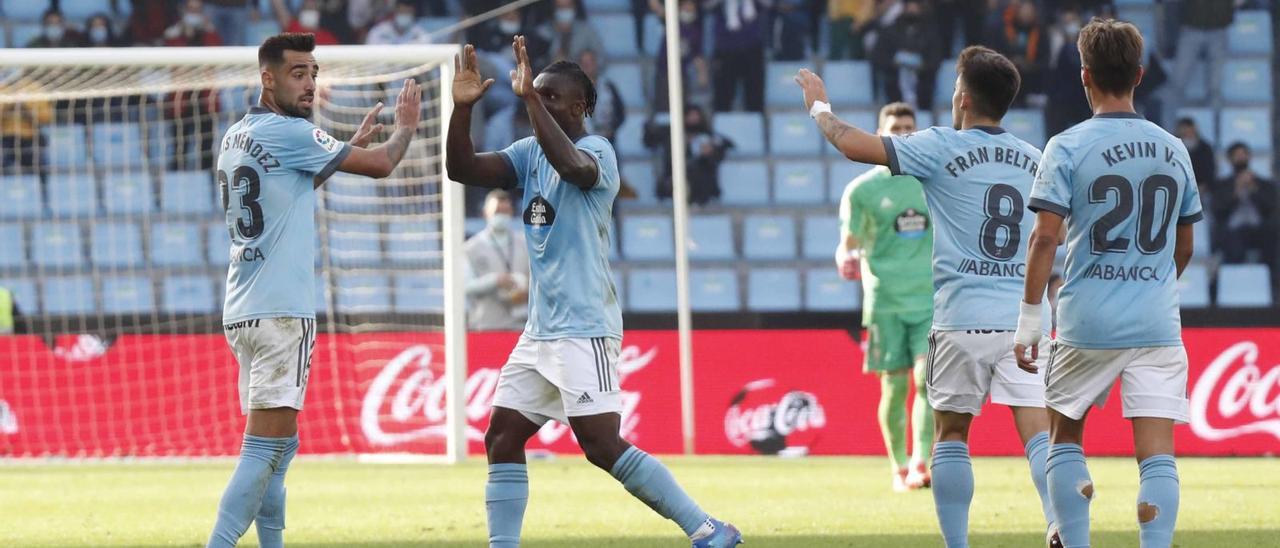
(509,27)
(687,17)
(403,21)
(309,19)
(564,16)
(53,32)
(193,20)
(98,35)
(500,222)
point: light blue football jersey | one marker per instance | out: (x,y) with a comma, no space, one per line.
(268,166)
(568,231)
(976,182)
(1123,184)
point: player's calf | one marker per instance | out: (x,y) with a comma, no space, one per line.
(1158,498)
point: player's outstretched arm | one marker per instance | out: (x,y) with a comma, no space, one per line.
(486,169)
(1183,247)
(1041,248)
(855,144)
(573,164)
(381,160)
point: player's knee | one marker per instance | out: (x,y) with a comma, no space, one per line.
(497,441)
(602,452)
(1147,512)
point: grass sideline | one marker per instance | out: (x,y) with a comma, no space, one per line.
(811,502)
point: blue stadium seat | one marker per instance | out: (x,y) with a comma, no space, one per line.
(236,100)
(410,242)
(1244,285)
(603,6)
(629,141)
(348,193)
(744,182)
(419,293)
(642,178)
(773,290)
(176,244)
(117,145)
(793,134)
(1144,17)
(57,245)
(20,197)
(627,78)
(799,182)
(24,11)
(650,290)
(647,238)
(1251,125)
(159,142)
(218,248)
(261,29)
(23,33)
(68,295)
(780,89)
(713,290)
(654,35)
(769,237)
(848,83)
(711,238)
(4,37)
(433,24)
(867,120)
(745,129)
(127,295)
(618,32)
(825,290)
(840,172)
(116,245)
(473,225)
(1193,286)
(1250,32)
(1199,235)
(65,146)
(25,294)
(1246,81)
(946,84)
(821,236)
(1206,121)
(363,294)
(1026,124)
(13,254)
(188,192)
(79,11)
(129,193)
(355,243)
(924,119)
(188,294)
(72,195)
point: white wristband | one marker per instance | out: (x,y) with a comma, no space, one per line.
(818,107)
(1028,324)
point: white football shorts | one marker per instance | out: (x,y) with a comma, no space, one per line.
(1153,380)
(964,367)
(561,378)
(275,360)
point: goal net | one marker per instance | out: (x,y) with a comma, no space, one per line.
(114,247)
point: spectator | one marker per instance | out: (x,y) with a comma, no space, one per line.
(193,29)
(849,22)
(692,60)
(1245,206)
(498,270)
(99,32)
(496,36)
(148,21)
(792,22)
(192,112)
(704,152)
(401,28)
(971,15)
(21,144)
(641,10)
(906,56)
(1066,104)
(1022,40)
(307,20)
(1203,164)
(569,34)
(610,110)
(231,19)
(1203,34)
(56,33)
(738,59)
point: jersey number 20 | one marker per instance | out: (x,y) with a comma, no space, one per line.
(244,175)
(1150,241)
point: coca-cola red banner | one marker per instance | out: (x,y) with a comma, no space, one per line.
(769,391)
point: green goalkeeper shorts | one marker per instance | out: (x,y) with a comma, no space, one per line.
(894,339)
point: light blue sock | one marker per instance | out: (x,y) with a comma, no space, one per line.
(651,482)
(505,496)
(1158,489)
(1038,456)
(1071,490)
(259,458)
(953,491)
(270,518)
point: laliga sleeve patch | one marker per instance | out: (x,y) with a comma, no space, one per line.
(325,140)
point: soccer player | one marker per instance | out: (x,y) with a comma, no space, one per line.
(269,165)
(885,229)
(1127,194)
(976,177)
(565,366)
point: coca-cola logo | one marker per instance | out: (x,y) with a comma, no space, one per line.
(1245,398)
(758,418)
(8,420)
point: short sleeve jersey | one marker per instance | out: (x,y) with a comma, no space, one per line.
(888,216)
(568,231)
(268,166)
(976,182)
(1123,184)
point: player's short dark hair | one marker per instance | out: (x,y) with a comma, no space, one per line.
(1186,121)
(1112,51)
(51,11)
(990,79)
(896,109)
(271,52)
(572,70)
(1238,145)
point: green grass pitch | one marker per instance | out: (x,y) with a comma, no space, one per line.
(813,502)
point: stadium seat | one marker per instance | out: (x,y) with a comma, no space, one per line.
(1144,17)
(618,32)
(711,238)
(262,29)
(236,100)
(1206,121)
(946,84)
(129,193)
(185,192)
(218,248)
(24,11)
(769,237)
(434,24)
(793,134)
(642,178)
(825,290)
(745,129)
(924,119)
(1244,285)
(1193,286)
(631,85)
(419,293)
(65,146)
(840,172)
(13,254)
(159,142)
(821,236)
(1250,125)
(68,295)
(473,225)
(127,295)
(868,120)
(4,37)
(363,294)
(848,84)
(57,245)
(411,242)
(650,290)
(348,193)
(355,244)
(713,290)
(647,238)
(1246,81)
(117,145)
(72,195)
(22,34)
(744,183)
(1026,124)
(780,89)
(175,244)
(25,294)
(773,290)
(654,34)
(189,294)
(629,141)
(1250,33)
(1200,235)
(20,197)
(79,11)
(117,245)
(799,182)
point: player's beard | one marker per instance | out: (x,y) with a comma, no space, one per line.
(297,111)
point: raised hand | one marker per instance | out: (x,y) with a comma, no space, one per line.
(368,129)
(409,105)
(522,76)
(468,87)
(814,89)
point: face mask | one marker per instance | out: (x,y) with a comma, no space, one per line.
(193,20)
(1071,29)
(98,35)
(53,32)
(499,222)
(1189,142)
(688,17)
(403,20)
(508,26)
(309,19)
(565,16)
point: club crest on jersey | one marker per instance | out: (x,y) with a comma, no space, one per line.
(325,140)
(539,213)
(911,224)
